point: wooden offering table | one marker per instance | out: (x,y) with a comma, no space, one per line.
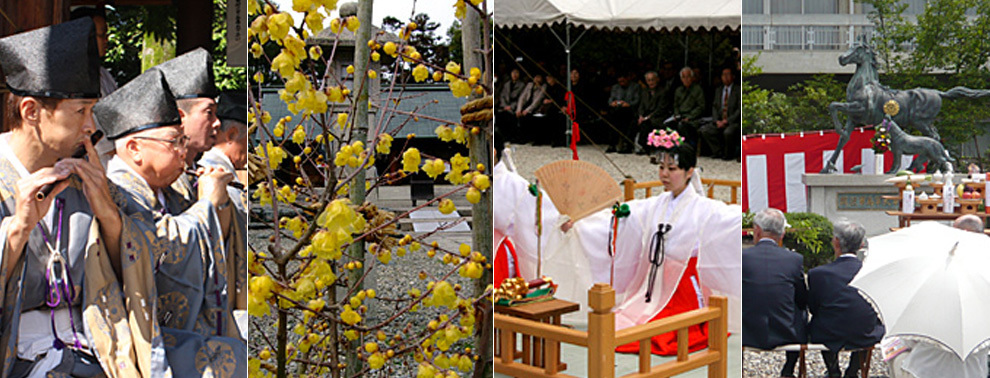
(904,219)
(535,351)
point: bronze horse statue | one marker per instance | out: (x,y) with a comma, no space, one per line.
(865,97)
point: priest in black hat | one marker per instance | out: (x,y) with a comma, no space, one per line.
(230,154)
(74,269)
(191,271)
(190,76)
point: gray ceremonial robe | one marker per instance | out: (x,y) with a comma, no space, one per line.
(190,277)
(236,241)
(111,315)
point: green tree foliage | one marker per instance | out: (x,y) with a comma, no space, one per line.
(127,26)
(944,49)
(809,234)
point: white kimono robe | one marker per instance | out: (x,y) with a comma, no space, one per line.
(702,227)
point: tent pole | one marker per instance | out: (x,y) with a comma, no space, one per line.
(567,50)
(711,53)
(687,48)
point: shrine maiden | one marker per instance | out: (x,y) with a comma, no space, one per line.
(694,241)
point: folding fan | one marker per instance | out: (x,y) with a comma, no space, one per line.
(578,188)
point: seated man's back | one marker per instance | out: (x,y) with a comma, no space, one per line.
(841,318)
(774,296)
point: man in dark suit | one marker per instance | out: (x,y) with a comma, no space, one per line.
(774,293)
(840,317)
(722,135)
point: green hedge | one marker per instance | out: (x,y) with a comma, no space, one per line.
(810,235)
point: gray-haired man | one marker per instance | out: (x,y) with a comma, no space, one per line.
(774,293)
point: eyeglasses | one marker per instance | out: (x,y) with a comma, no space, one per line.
(177,144)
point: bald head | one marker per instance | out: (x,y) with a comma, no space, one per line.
(969,222)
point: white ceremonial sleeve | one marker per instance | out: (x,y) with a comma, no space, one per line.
(720,258)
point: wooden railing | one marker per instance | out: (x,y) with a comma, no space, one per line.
(601,339)
(630,186)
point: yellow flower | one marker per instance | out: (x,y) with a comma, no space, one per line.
(315,21)
(275,155)
(279,24)
(256,50)
(447,206)
(315,52)
(482,182)
(385,256)
(260,25)
(453,67)
(460,134)
(335,26)
(473,195)
(371,347)
(297,83)
(471,270)
(460,88)
(351,334)
(460,9)
(299,136)
(425,370)
(302,5)
(350,69)
(349,316)
(376,361)
(444,295)
(259,77)
(353,23)
(342,119)
(375,56)
(437,76)
(420,73)
(389,49)
(335,95)
(253,7)
(475,72)
(464,249)
(434,168)
(372,74)
(384,144)
(284,63)
(445,133)
(296,47)
(410,160)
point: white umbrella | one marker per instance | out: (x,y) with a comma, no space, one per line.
(933,281)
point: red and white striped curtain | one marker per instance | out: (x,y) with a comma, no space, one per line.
(772,165)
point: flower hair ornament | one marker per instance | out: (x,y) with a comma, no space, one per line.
(666,139)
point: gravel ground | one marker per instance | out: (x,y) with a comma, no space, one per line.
(529,158)
(768,364)
(389,281)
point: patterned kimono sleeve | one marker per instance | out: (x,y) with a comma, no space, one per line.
(119,315)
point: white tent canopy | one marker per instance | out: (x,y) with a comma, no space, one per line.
(668,15)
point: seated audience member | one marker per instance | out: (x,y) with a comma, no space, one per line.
(774,292)
(840,317)
(553,127)
(689,104)
(722,134)
(508,99)
(529,101)
(623,101)
(650,113)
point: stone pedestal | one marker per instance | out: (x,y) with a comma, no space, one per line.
(856,197)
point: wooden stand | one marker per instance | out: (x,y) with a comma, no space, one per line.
(536,351)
